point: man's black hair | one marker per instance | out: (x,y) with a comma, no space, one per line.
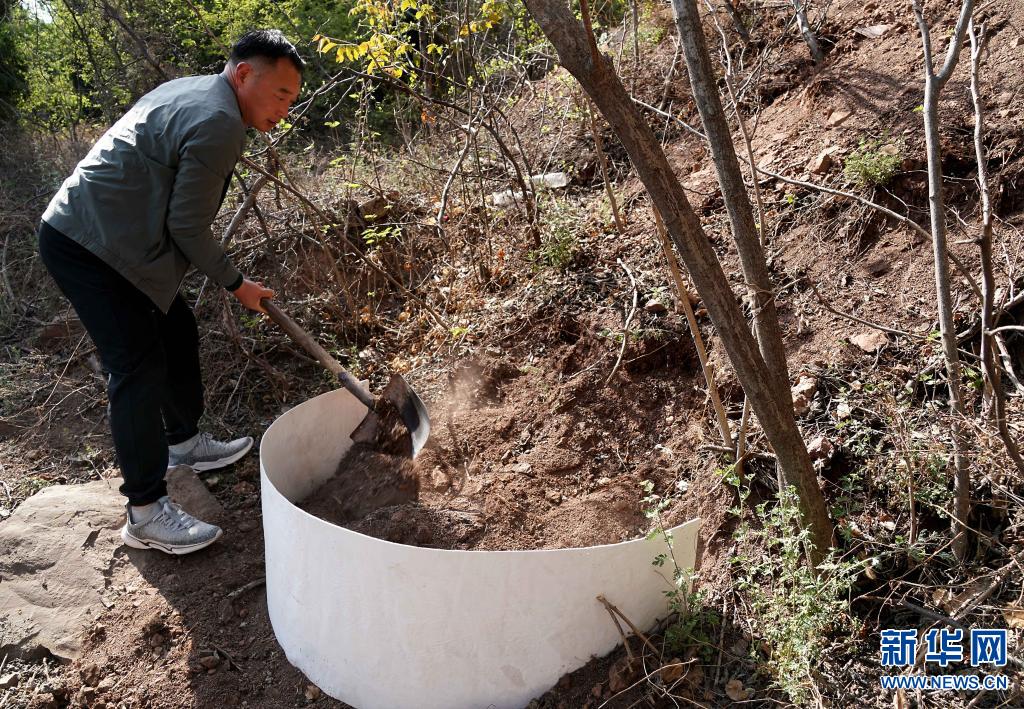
(269,44)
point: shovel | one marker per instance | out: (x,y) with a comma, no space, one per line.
(398,401)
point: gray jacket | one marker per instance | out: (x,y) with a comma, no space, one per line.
(144,197)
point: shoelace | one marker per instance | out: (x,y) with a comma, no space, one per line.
(173,517)
(204,446)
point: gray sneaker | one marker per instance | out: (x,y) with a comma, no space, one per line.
(210,454)
(172,531)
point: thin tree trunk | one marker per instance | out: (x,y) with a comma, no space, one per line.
(577,53)
(993,385)
(761,293)
(698,340)
(933,85)
(805,29)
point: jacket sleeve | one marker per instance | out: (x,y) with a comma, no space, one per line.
(205,161)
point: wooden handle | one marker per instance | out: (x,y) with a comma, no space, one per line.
(303,338)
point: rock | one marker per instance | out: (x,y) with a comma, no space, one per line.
(553,496)
(821,449)
(55,549)
(209,662)
(803,394)
(312,692)
(870,340)
(185,488)
(821,164)
(843,410)
(655,307)
(247,526)
(107,683)
(90,674)
(522,468)
(838,117)
(878,266)
(9,680)
(872,31)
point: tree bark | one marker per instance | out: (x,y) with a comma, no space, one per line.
(993,383)
(761,293)
(805,29)
(933,85)
(598,78)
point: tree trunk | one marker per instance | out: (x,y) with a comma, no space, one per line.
(805,29)
(598,78)
(760,291)
(933,85)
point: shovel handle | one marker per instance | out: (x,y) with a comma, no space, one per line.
(303,338)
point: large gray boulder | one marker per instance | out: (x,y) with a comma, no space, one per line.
(57,557)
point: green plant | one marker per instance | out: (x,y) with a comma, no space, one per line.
(377,235)
(692,616)
(795,609)
(558,236)
(874,162)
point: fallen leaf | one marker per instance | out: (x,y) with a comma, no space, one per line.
(736,691)
(1014,617)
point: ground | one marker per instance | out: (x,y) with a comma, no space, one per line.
(547,418)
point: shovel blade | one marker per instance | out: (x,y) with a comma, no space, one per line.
(397,400)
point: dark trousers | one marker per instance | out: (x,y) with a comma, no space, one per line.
(154,384)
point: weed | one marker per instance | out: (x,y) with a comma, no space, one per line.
(693,617)
(559,236)
(795,611)
(874,162)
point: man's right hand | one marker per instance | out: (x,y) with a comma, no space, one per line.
(250,293)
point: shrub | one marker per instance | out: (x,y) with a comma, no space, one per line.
(874,162)
(795,611)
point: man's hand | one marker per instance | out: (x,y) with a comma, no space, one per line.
(250,293)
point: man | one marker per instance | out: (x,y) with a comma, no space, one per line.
(118,238)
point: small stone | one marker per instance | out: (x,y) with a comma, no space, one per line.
(312,692)
(522,468)
(553,496)
(870,340)
(803,394)
(820,449)
(838,117)
(602,482)
(91,674)
(156,640)
(655,307)
(820,164)
(209,661)
(107,683)
(247,526)
(843,410)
